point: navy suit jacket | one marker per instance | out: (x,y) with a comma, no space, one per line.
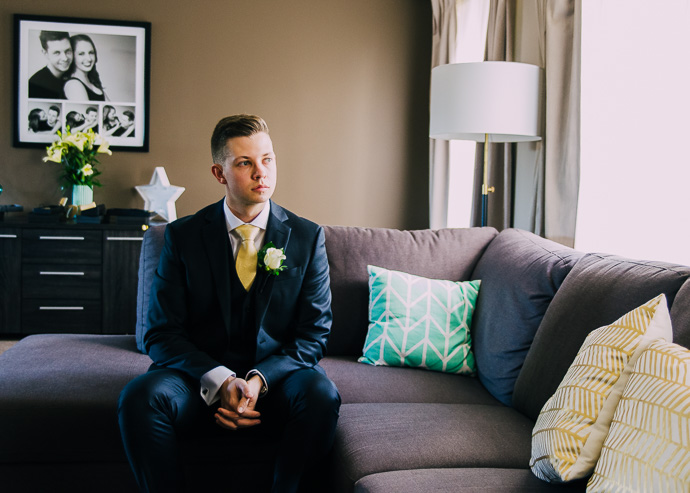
(190,309)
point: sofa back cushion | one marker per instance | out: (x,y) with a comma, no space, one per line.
(449,254)
(599,289)
(520,274)
(444,254)
(151,248)
(680,316)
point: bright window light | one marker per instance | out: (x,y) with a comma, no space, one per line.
(635,165)
(473,20)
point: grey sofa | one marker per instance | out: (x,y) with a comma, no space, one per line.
(400,429)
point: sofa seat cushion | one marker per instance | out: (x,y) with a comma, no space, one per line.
(58,403)
(459,481)
(374,438)
(58,397)
(361,383)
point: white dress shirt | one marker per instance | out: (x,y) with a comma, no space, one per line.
(211,381)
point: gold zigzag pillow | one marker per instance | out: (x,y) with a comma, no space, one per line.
(648,445)
(572,425)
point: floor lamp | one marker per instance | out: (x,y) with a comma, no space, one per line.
(485,102)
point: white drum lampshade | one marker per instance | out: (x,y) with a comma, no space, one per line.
(471,100)
(485,102)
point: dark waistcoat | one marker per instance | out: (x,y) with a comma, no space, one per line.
(241,351)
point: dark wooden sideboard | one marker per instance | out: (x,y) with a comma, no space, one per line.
(68,278)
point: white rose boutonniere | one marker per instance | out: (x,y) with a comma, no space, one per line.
(271,259)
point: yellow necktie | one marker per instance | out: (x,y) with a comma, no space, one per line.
(247,256)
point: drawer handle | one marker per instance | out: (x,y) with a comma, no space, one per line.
(49,273)
(7,236)
(78,238)
(52,308)
(124,238)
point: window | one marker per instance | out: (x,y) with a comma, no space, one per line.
(635,166)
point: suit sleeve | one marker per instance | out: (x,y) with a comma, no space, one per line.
(313,320)
(167,341)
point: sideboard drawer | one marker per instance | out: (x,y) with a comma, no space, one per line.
(61,246)
(61,316)
(61,281)
(68,278)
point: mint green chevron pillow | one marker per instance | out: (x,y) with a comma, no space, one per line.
(419,322)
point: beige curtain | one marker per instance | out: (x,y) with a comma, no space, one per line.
(556,174)
(445,31)
(560,24)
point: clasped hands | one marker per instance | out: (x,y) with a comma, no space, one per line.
(238,403)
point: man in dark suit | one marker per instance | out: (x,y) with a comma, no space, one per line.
(48,83)
(235,347)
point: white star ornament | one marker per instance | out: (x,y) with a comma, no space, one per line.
(159,195)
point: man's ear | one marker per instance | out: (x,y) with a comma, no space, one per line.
(217,171)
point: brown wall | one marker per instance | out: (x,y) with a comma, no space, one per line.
(343,85)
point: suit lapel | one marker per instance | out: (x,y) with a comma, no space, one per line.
(278,233)
(215,238)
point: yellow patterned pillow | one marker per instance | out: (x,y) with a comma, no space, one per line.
(648,445)
(572,425)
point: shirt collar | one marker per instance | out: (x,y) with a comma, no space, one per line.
(260,221)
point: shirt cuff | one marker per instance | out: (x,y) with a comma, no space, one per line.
(211,382)
(264,385)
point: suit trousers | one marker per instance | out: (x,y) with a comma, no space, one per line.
(161,413)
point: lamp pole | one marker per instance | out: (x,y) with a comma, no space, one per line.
(485,184)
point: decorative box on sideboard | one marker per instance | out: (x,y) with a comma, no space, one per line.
(68,278)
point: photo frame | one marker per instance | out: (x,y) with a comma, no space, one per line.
(81,73)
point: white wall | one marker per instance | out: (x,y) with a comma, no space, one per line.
(344,87)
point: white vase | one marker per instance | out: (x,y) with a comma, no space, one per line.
(82,194)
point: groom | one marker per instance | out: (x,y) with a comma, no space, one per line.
(235,343)
(49,81)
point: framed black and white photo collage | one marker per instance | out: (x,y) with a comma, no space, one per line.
(81,74)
